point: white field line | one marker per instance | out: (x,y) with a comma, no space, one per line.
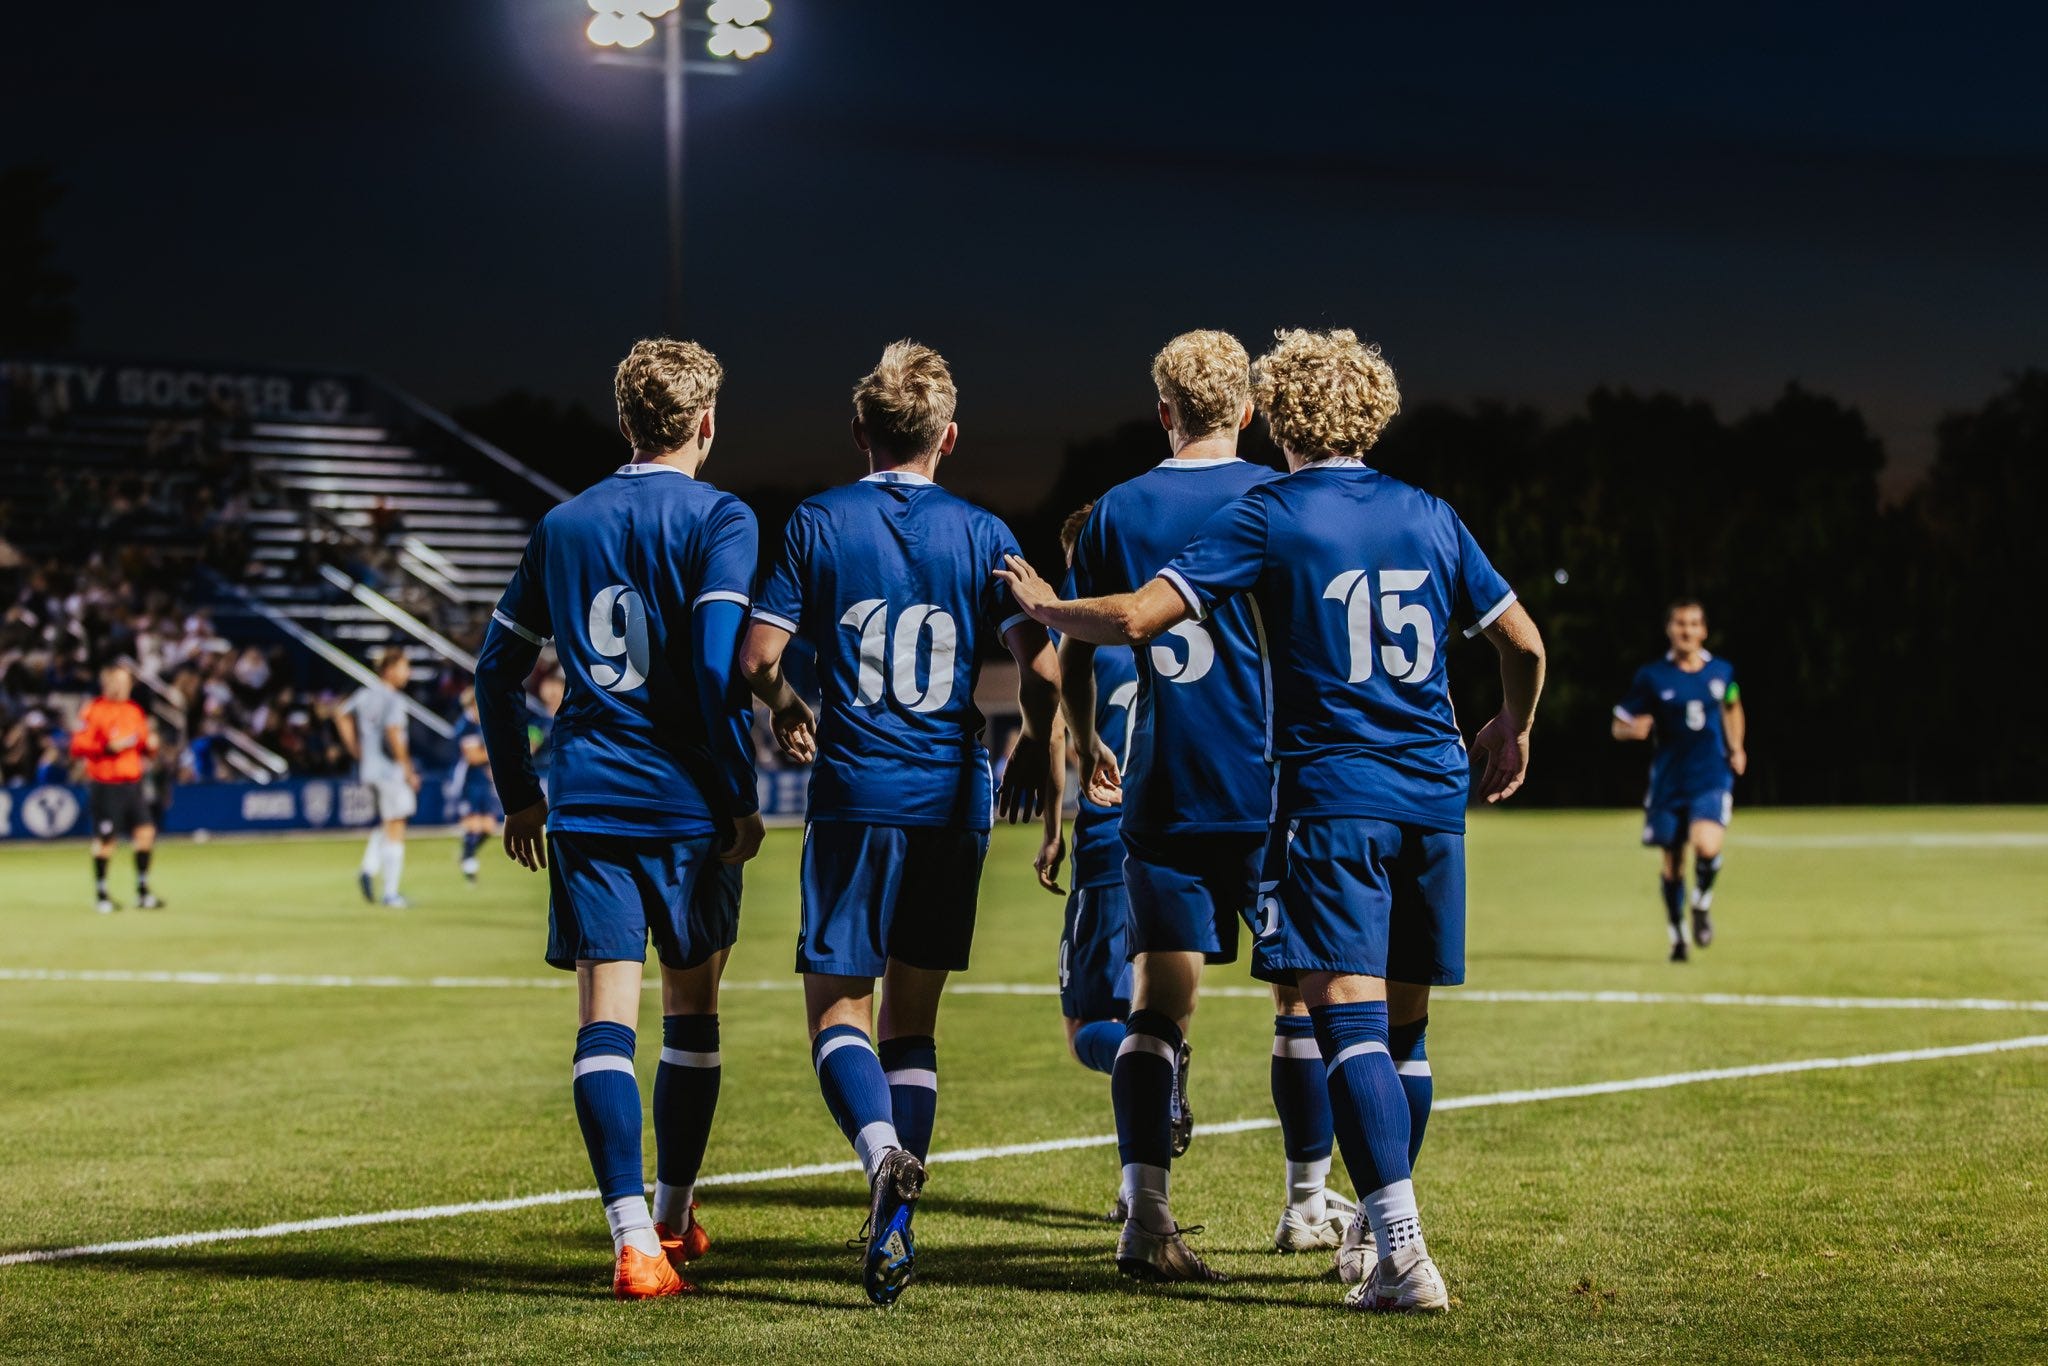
(1040,989)
(419,1213)
(1985,839)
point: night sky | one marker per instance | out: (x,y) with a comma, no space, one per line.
(452,193)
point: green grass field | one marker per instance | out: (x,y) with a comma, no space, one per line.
(1889,1212)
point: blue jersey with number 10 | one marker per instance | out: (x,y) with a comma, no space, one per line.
(892,581)
(1199,761)
(1358,578)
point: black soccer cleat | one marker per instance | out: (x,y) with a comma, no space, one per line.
(1702,927)
(1182,1114)
(1678,953)
(888,1260)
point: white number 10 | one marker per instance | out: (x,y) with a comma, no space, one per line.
(1353,588)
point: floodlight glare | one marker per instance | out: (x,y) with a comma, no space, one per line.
(654,9)
(740,12)
(730,40)
(619,30)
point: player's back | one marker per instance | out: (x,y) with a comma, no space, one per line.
(376,708)
(1199,756)
(891,580)
(619,569)
(1361,580)
(1098,842)
(1690,757)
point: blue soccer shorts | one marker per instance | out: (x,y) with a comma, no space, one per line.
(1374,898)
(1189,893)
(479,797)
(1264,916)
(1670,823)
(609,893)
(1095,958)
(876,892)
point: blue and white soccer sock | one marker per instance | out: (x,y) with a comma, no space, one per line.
(1370,1113)
(608,1111)
(910,1064)
(1301,1097)
(1141,1092)
(1096,1043)
(1674,906)
(685,1099)
(1411,1063)
(1704,871)
(472,840)
(856,1092)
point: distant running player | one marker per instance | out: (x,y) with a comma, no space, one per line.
(1357,580)
(891,581)
(116,741)
(373,726)
(1690,704)
(475,795)
(642,582)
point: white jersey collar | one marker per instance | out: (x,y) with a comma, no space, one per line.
(648,467)
(1705,657)
(895,477)
(1176,463)
(1334,462)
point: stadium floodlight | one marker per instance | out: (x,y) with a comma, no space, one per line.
(736,35)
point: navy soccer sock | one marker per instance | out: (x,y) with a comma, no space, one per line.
(1301,1097)
(99,876)
(910,1064)
(1674,906)
(1411,1063)
(1370,1113)
(142,860)
(685,1098)
(856,1092)
(1141,1092)
(1704,871)
(472,841)
(1096,1043)
(608,1111)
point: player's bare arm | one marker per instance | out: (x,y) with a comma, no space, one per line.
(400,749)
(1503,742)
(1630,727)
(345,727)
(1038,698)
(796,731)
(1052,847)
(1101,778)
(1736,725)
(1120,619)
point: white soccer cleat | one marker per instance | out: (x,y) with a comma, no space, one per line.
(1406,1282)
(1357,1253)
(105,905)
(396,903)
(1298,1233)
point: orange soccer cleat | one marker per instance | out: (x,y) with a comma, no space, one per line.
(687,1247)
(641,1277)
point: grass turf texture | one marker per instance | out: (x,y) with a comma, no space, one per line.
(1886,1213)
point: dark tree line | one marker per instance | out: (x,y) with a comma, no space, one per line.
(1875,639)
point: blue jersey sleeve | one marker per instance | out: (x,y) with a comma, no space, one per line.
(1640,699)
(1226,557)
(519,627)
(1482,594)
(998,607)
(781,601)
(717,619)
(1087,554)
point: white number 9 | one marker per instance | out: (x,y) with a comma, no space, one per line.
(618,626)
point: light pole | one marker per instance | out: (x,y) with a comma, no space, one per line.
(735,35)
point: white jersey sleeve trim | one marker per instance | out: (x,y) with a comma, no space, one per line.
(1008,622)
(775,619)
(1492,615)
(1623,714)
(722,595)
(1186,591)
(515,628)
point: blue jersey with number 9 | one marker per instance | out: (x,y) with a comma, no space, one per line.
(1358,579)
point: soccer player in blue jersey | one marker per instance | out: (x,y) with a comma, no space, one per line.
(1197,808)
(1357,580)
(1691,705)
(642,582)
(474,796)
(890,579)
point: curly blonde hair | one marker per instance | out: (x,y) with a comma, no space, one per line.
(663,387)
(1070,530)
(1325,393)
(906,401)
(1204,377)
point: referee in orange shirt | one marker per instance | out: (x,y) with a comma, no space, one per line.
(115,740)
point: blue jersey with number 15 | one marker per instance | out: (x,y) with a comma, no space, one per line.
(1359,579)
(892,581)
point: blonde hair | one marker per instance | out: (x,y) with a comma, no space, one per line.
(906,401)
(1070,530)
(1325,393)
(663,387)
(1205,378)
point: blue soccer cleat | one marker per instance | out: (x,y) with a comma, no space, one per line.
(886,1267)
